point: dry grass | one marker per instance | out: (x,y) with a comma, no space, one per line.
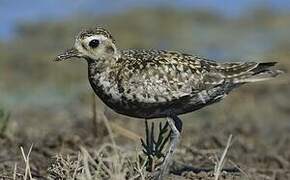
(220,165)
(27,165)
(99,164)
(109,161)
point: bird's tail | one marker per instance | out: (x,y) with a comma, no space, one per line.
(260,72)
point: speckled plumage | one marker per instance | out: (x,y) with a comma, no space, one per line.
(155,83)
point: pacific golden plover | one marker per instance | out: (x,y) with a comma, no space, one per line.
(158,83)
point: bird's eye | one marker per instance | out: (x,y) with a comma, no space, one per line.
(94,43)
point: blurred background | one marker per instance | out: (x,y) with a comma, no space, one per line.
(45,97)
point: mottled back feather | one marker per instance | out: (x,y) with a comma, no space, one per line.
(156,75)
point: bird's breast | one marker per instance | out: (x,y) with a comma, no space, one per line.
(104,86)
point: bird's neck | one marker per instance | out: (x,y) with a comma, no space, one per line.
(103,77)
(100,65)
(102,70)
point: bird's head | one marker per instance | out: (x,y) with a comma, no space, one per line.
(91,44)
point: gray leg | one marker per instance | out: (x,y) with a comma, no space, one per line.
(174,140)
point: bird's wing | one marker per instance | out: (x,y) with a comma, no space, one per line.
(150,76)
(243,72)
(163,76)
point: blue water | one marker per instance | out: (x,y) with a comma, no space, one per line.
(13,11)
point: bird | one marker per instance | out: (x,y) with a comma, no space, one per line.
(153,83)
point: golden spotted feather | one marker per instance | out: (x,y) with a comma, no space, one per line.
(160,76)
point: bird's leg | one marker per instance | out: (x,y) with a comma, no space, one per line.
(176,126)
(177,122)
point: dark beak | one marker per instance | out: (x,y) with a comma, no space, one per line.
(68,54)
